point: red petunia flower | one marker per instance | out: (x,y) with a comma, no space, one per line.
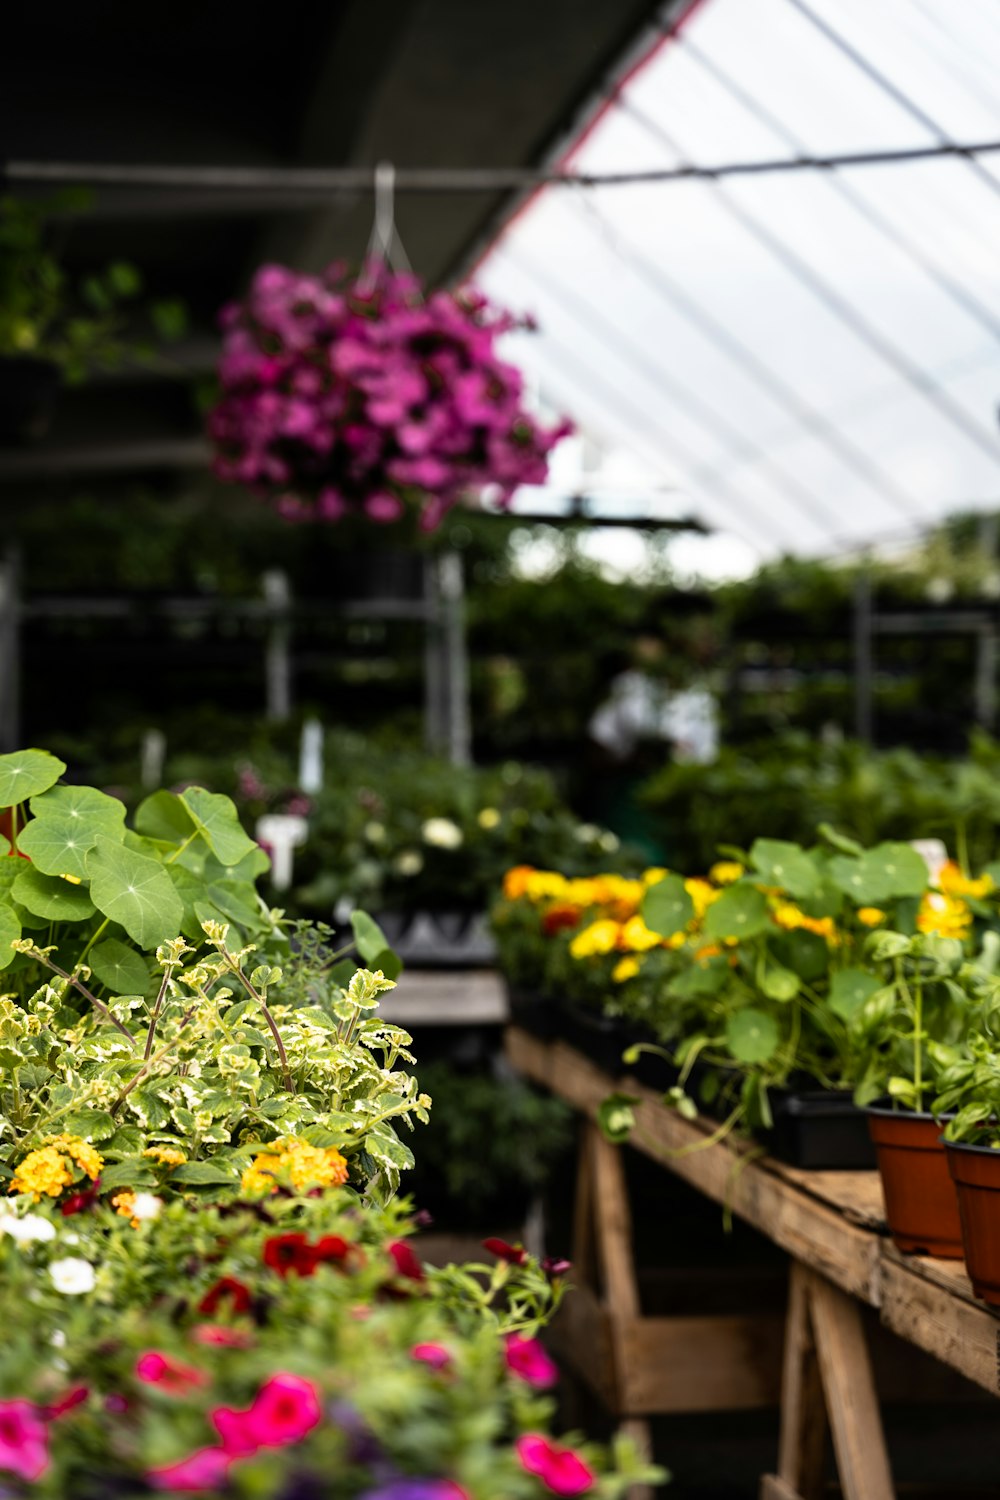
(406,1261)
(286,1253)
(226,1290)
(515,1254)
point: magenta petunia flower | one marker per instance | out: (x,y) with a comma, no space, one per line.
(169,1374)
(338,399)
(435,1355)
(24,1443)
(527,1359)
(560,1469)
(284,1410)
(205,1469)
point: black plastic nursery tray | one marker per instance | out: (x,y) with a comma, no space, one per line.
(819,1130)
(440,939)
(533,1012)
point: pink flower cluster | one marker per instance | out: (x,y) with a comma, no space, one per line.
(24,1438)
(343,399)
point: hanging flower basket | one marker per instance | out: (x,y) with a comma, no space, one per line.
(361,398)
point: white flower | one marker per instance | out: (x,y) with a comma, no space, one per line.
(442,833)
(488,818)
(375,832)
(146,1206)
(58,1338)
(72,1276)
(609,842)
(410,862)
(587,833)
(27,1231)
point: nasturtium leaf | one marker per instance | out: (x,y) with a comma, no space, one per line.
(342,973)
(740,912)
(134,891)
(779,983)
(881,874)
(805,952)
(119,967)
(706,977)
(245,871)
(785,865)
(10,931)
(190,890)
(57,846)
(752,1035)
(219,823)
(51,897)
(83,805)
(238,901)
(839,841)
(369,939)
(666,907)
(25,773)
(162,815)
(390,963)
(849,989)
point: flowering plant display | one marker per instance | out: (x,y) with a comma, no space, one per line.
(771,969)
(364,398)
(292,1347)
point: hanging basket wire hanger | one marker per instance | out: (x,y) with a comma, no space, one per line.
(385,248)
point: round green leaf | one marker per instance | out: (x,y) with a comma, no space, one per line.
(751,1035)
(886,872)
(82,805)
(10,931)
(740,912)
(779,983)
(786,865)
(849,989)
(134,891)
(25,773)
(57,846)
(219,824)
(51,897)
(119,967)
(666,907)
(164,816)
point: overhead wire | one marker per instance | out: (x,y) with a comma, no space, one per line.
(680,394)
(826,293)
(809,418)
(906,244)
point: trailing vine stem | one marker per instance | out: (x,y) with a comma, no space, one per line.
(74,980)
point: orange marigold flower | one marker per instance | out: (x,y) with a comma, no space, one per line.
(515,882)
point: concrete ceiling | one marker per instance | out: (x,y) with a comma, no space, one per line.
(418,82)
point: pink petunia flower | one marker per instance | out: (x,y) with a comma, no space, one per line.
(169,1374)
(435,1355)
(526,1359)
(24,1443)
(205,1469)
(560,1469)
(284,1410)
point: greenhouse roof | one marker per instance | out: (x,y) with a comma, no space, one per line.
(807,360)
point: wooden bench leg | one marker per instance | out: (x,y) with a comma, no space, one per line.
(827,1375)
(639,1430)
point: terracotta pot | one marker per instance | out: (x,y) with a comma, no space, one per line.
(976,1173)
(921,1204)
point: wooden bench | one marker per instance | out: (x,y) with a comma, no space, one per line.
(831,1224)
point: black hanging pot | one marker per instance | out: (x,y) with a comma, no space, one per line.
(28,390)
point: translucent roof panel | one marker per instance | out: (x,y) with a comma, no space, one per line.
(806,361)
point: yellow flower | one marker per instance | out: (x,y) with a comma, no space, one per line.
(710,950)
(636,937)
(123,1203)
(823,927)
(725,872)
(944,916)
(870,916)
(789,916)
(953,883)
(303,1165)
(43,1173)
(488,818)
(625,968)
(654,875)
(702,894)
(599,937)
(167,1156)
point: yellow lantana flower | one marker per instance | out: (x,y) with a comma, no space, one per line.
(47,1172)
(167,1156)
(303,1165)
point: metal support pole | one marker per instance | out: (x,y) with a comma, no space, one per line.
(863,657)
(986,677)
(277,655)
(10,652)
(446,693)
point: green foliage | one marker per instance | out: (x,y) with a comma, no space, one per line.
(44,314)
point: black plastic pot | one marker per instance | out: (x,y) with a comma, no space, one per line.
(597,1036)
(534,1012)
(820,1130)
(28,390)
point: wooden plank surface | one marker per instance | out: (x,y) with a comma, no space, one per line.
(446,997)
(832,1222)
